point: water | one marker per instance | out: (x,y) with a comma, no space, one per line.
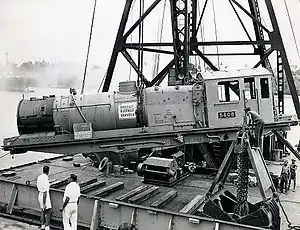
(8,123)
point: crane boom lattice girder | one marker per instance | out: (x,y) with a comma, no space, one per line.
(185,24)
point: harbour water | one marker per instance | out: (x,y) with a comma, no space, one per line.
(8,123)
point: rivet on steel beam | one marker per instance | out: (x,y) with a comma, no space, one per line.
(113,205)
(151,212)
(194,221)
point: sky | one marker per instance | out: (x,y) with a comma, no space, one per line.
(58,30)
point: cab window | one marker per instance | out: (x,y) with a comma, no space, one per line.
(228,91)
(264,88)
(249,88)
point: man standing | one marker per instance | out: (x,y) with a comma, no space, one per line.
(43,187)
(293,169)
(70,204)
(284,176)
(256,120)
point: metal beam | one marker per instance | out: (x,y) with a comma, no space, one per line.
(211,43)
(206,60)
(266,55)
(136,24)
(160,76)
(228,54)
(251,16)
(255,168)
(194,18)
(224,168)
(146,137)
(241,21)
(280,47)
(254,9)
(134,66)
(281,138)
(117,46)
(150,50)
(201,17)
(178,8)
(206,155)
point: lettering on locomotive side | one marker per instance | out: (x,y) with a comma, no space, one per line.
(127,110)
(227,114)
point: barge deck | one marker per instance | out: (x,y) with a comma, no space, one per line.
(108,200)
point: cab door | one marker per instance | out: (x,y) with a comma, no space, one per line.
(250,94)
(265,95)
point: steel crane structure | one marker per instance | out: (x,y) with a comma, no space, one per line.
(185,27)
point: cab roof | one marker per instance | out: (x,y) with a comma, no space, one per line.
(241,73)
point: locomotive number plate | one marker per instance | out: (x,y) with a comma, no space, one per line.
(228,114)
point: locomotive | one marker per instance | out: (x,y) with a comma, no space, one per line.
(215,100)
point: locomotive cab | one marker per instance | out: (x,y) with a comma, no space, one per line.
(228,93)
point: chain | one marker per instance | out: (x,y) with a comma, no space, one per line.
(241,207)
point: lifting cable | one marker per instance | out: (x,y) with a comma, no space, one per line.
(290,20)
(130,51)
(159,39)
(140,49)
(201,33)
(102,81)
(290,226)
(4,155)
(88,50)
(216,33)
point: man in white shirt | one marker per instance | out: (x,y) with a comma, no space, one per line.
(43,187)
(70,204)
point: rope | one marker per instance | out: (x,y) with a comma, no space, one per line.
(159,35)
(295,40)
(201,26)
(102,81)
(4,155)
(216,33)
(141,40)
(290,226)
(130,51)
(88,51)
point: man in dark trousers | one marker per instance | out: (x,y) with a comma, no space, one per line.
(284,177)
(293,169)
(254,119)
